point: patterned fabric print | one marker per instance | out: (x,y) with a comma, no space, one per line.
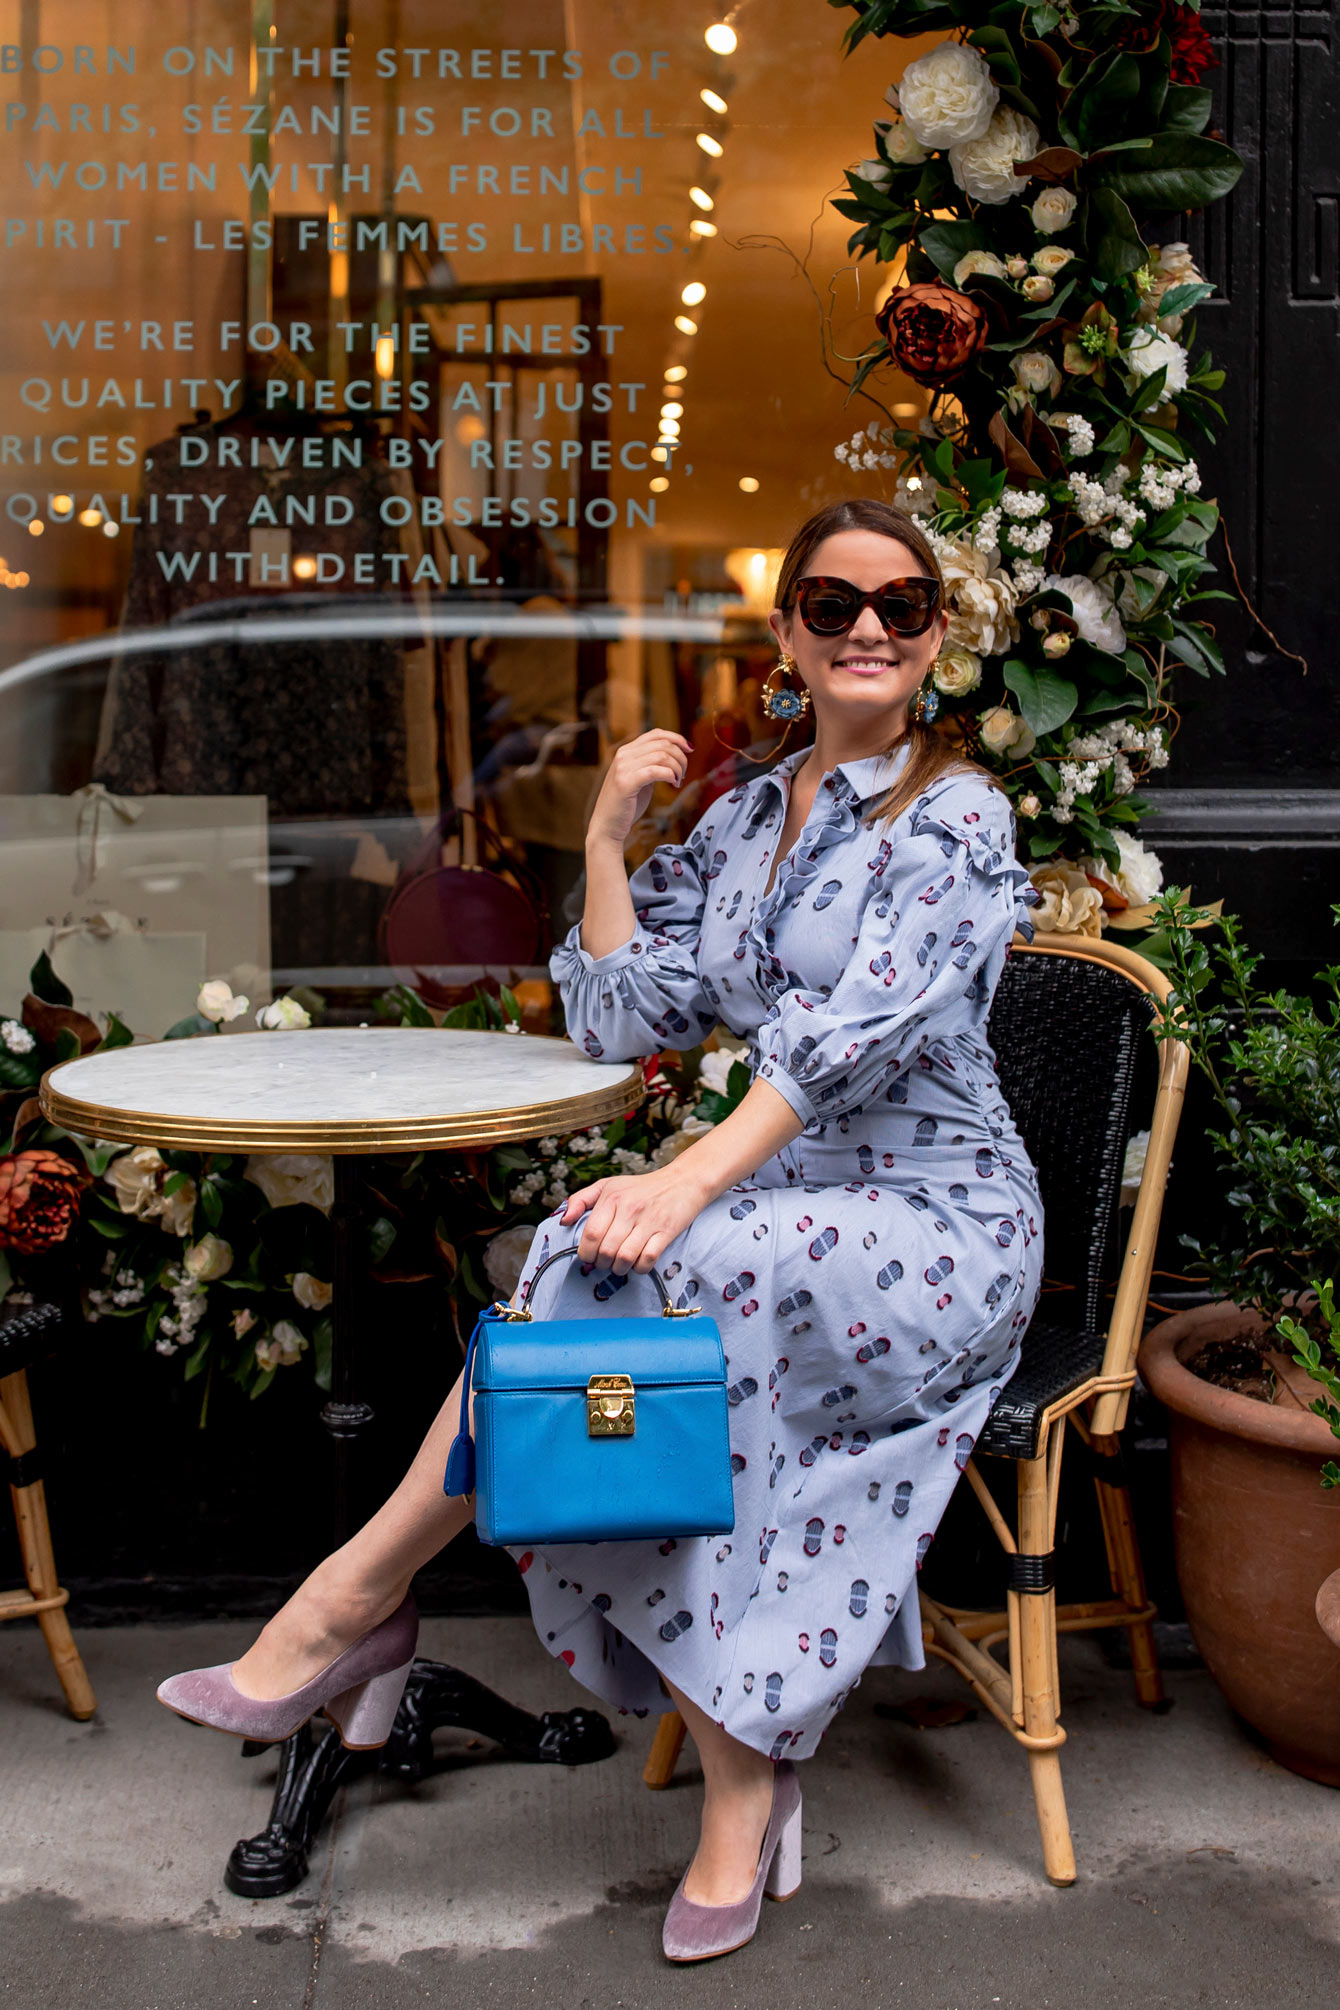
(871,1283)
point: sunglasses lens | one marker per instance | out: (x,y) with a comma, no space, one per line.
(826,610)
(907,609)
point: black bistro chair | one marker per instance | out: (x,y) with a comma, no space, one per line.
(26,1332)
(1066,1023)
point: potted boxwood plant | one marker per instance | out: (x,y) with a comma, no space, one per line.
(1256,1529)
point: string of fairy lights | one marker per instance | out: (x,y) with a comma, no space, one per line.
(723,41)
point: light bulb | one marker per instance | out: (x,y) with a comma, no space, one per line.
(721,39)
(712,101)
(701,198)
(90,518)
(676,373)
(672,411)
(659,484)
(304,568)
(698,228)
(659,454)
(685,326)
(749,483)
(693,293)
(111,529)
(35,526)
(669,429)
(62,505)
(385,356)
(709,145)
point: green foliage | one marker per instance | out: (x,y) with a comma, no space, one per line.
(1308,1354)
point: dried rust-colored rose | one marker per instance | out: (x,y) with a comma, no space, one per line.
(933,332)
(39,1200)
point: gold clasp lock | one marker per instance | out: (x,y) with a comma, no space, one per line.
(610,1407)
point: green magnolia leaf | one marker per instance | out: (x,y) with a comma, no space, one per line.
(193,1028)
(1186,108)
(44,983)
(1046,699)
(1197,648)
(1111,237)
(1097,107)
(1167,171)
(381,1235)
(1178,299)
(19,1071)
(946,243)
(118,1034)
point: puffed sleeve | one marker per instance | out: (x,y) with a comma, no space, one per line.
(930,947)
(646,994)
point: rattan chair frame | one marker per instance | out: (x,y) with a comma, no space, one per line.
(43,1598)
(1023,1692)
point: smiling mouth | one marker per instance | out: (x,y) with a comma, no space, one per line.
(865,663)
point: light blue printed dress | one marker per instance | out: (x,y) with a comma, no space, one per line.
(871,1282)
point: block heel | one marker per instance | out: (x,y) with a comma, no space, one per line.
(363,1716)
(783,1879)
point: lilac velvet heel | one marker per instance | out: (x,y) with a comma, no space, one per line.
(360,1691)
(699,1932)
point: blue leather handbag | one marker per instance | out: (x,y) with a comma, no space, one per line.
(596,1429)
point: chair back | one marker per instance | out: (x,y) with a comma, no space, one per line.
(1066,1033)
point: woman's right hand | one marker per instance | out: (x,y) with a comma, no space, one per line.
(658,756)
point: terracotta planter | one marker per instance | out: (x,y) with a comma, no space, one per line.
(1255,1534)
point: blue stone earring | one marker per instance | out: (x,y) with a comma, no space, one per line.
(788,702)
(925,707)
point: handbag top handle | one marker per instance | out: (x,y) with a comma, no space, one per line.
(460,1473)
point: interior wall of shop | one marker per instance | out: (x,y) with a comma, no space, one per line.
(155,1516)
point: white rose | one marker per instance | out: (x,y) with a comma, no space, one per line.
(311,1291)
(1139,876)
(900,143)
(504,1257)
(289,1339)
(1039,287)
(136,1180)
(1092,603)
(957,671)
(1057,643)
(979,262)
(242,1322)
(980,599)
(287,1178)
(875,172)
(947,96)
(1029,806)
(177,1210)
(714,1071)
(1150,351)
(207,1259)
(984,167)
(285,1015)
(216,1001)
(1035,371)
(999,728)
(1052,210)
(1050,259)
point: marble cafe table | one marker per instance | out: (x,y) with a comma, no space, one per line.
(352,1093)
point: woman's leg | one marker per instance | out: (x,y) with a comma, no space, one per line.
(363,1582)
(737,1801)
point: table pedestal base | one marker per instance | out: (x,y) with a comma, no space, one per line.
(313,1766)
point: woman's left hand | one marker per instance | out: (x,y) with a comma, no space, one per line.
(631,1219)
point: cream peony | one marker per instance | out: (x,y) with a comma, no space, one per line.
(285,1015)
(1139,876)
(207,1259)
(875,172)
(1049,259)
(679,1141)
(216,1001)
(901,144)
(178,1209)
(285,1345)
(1052,210)
(1029,806)
(714,1073)
(1068,904)
(1057,643)
(504,1257)
(948,96)
(1150,351)
(1035,371)
(980,599)
(313,1292)
(957,671)
(1092,603)
(975,263)
(984,167)
(136,1178)
(289,1178)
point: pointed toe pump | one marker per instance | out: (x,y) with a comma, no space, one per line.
(359,1691)
(696,1932)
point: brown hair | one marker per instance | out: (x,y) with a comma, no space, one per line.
(929,754)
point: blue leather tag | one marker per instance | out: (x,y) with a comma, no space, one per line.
(460,1474)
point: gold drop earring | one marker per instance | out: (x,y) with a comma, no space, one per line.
(925,707)
(786,701)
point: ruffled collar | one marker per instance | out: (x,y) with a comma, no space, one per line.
(861,780)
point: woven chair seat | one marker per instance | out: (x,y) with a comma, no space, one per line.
(26,1333)
(1054,1360)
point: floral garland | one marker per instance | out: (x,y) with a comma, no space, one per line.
(221,1261)
(1028,157)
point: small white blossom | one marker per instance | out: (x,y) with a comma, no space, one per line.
(16,1037)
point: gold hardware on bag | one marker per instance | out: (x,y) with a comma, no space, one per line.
(610,1407)
(680,1311)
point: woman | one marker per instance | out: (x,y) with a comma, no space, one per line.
(865,1227)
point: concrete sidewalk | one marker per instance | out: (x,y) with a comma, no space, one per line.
(1207,1873)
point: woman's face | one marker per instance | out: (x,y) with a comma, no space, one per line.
(867,677)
